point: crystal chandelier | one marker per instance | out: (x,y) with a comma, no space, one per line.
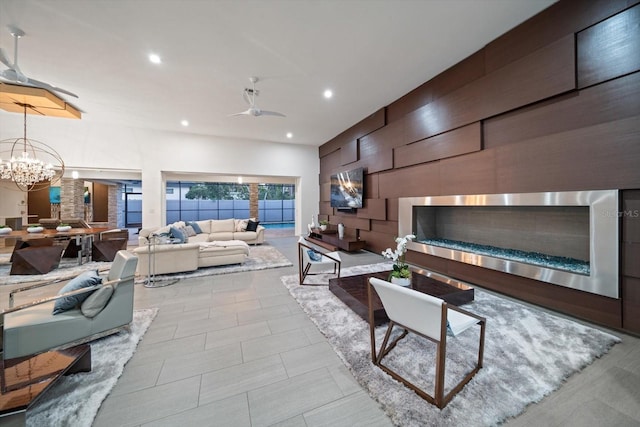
(30,164)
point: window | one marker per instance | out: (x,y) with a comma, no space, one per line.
(193,201)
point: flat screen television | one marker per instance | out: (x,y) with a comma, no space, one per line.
(347,189)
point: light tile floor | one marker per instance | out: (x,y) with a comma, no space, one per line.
(237,350)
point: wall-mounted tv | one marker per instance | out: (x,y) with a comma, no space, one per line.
(347,189)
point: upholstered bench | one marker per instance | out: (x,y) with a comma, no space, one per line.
(222,253)
(181,257)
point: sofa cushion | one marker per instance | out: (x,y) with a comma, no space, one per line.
(83,280)
(178,234)
(96,301)
(199,238)
(241,224)
(195,226)
(252,225)
(205,226)
(222,225)
(222,235)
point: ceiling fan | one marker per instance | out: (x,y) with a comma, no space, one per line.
(249,95)
(14,75)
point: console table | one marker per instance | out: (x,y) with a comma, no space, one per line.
(330,240)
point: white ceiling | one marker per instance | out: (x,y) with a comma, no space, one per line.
(368,52)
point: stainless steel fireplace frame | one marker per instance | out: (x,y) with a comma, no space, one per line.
(603,236)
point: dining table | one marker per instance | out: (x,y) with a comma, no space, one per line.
(33,253)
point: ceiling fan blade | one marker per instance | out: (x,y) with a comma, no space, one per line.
(4,59)
(47,86)
(271,113)
(244,113)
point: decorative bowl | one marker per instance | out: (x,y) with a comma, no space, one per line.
(35,229)
(5,230)
(63,228)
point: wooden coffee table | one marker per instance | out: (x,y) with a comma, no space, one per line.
(25,379)
(352,291)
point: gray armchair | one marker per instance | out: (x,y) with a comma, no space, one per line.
(32,328)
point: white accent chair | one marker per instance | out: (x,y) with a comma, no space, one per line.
(430,318)
(306,260)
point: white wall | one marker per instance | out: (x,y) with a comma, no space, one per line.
(108,149)
(13,203)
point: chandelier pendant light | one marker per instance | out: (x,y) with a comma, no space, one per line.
(32,165)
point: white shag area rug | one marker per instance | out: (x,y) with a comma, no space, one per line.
(529,353)
(67,269)
(75,399)
(261,257)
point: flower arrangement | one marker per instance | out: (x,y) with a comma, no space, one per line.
(400,267)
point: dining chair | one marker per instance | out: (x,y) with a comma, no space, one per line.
(428,317)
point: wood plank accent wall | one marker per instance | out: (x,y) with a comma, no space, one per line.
(552,105)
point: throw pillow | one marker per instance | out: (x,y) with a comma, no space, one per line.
(83,280)
(241,224)
(188,230)
(178,235)
(315,256)
(195,227)
(252,225)
(96,301)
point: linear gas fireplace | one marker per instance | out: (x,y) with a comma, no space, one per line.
(565,238)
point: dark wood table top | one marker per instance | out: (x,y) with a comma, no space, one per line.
(25,379)
(352,290)
(25,235)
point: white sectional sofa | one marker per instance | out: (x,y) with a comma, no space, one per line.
(212,230)
(218,244)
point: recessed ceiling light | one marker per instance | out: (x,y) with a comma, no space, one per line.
(184,123)
(75,175)
(155,58)
(289,135)
(328,93)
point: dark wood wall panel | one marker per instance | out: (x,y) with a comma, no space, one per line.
(538,132)
(613,100)
(364,127)
(631,259)
(382,140)
(598,157)
(544,73)
(469,174)
(631,303)
(329,164)
(553,23)
(371,190)
(418,180)
(373,209)
(631,217)
(609,49)
(325,191)
(466,139)
(351,222)
(349,152)
(466,71)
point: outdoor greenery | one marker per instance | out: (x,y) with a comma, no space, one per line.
(231,191)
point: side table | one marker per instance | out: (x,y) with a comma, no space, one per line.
(152,242)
